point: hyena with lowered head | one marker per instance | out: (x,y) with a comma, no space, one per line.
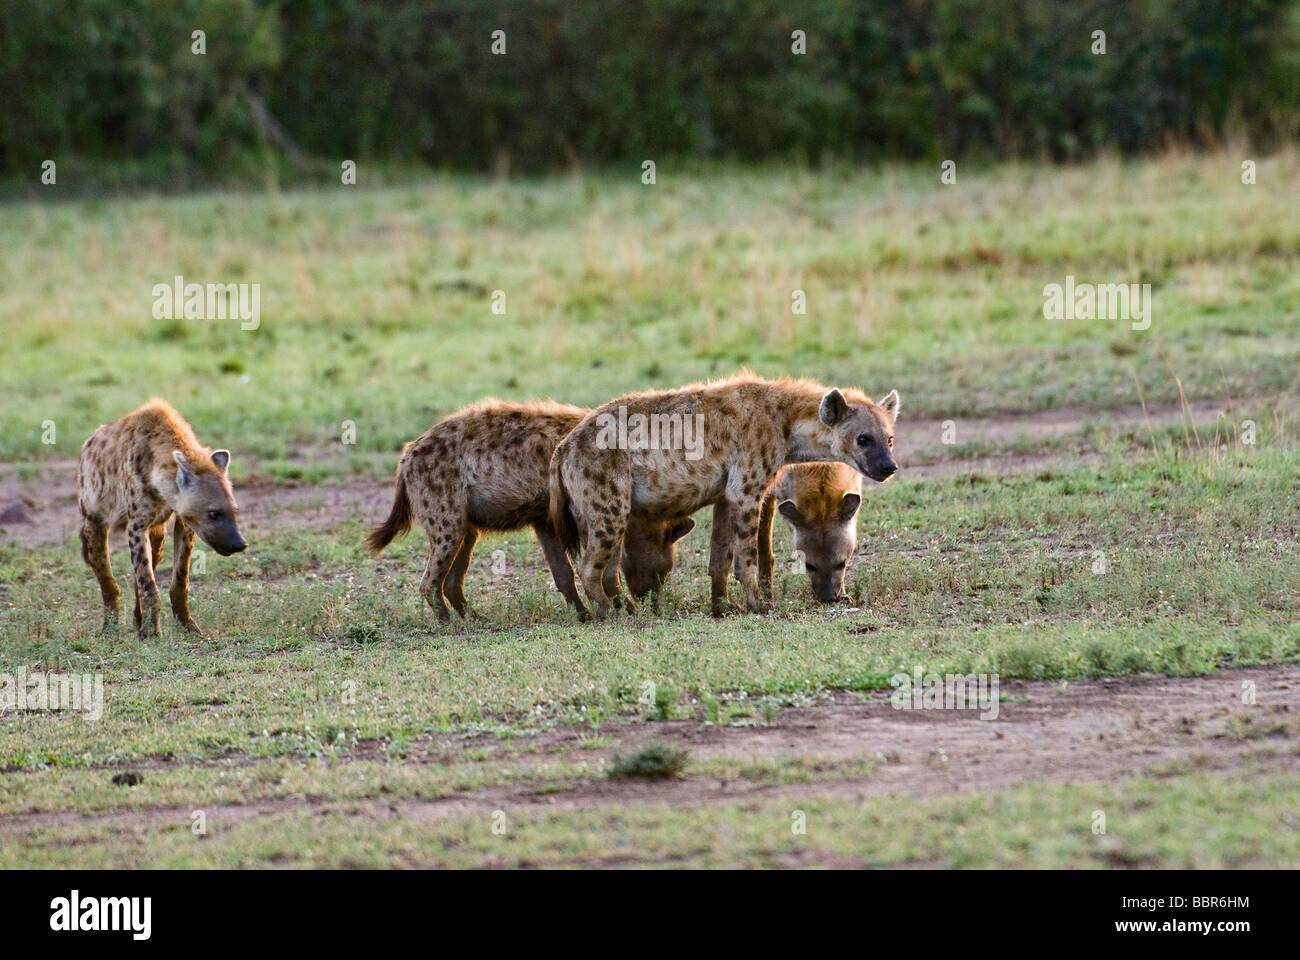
(820,503)
(485,468)
(750,428)
(136,473)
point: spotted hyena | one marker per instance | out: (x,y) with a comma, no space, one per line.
(820,503)
(135,474)
(750,427)
(485,468)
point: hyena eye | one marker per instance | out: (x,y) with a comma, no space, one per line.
(840,565)
(811,568)
(864,440)
(214,514)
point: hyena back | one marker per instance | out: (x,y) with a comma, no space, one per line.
(485,468)
(136,473)
(820,502)
(751,426)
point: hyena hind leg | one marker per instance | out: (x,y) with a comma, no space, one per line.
(94,550)
(561,569)
(611,582)
(446,530)
(454,585)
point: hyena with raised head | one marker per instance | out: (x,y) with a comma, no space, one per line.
(820,502)
(135,474)
(751,428)
(485,468)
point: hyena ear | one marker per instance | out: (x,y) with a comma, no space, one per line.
(790,512)
(849,504)
(184,472)
(679,529)
(222,459)
(890,404)
(833,409)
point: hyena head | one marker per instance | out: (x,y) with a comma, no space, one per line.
(826,546)
(862,434)
(649,552)
(206,503)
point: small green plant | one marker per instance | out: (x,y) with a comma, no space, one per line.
(658,761)
(712,709)
(769,708)
(665,701)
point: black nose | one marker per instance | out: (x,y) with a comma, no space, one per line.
(889,469)
(239,547)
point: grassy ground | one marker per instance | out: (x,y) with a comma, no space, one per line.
(376,306)
(1170,549)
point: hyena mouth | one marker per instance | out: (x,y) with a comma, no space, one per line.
(877,473)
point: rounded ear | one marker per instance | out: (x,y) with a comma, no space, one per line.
(679,529)
(790,512)
(184,472)
(890,404)
(849,504)
(833,408)
(222,459)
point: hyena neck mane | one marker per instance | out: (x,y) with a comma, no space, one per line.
(798,406)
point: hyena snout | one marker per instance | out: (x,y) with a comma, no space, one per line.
(878,468)
(224,538)
(830,588)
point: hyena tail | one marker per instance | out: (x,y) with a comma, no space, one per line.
(398,522)
(562,522)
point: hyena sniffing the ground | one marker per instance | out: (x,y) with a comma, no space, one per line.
(134,474)
(820,502)
(485,468)
(751,428)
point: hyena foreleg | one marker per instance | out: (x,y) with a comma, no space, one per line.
(744,514)
(148,608)
(156,537)
(719,557)
(183,549)
(766,559)
(94,550)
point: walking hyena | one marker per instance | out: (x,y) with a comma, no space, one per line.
(820,503)
(135,473)
(750,426)
(485,468)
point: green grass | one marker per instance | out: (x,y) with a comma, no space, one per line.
(375,305)
(1189,820)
